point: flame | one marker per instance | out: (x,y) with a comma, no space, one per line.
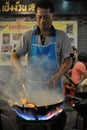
(11,103)
(28,115)
(23,101)
(52,113)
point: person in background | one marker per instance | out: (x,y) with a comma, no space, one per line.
(74,60)
(75,50)
(79,71)
(48,49)
(67,83)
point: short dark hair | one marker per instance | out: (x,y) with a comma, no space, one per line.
(45,4)
(82,56)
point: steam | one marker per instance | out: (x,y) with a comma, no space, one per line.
(9,87)
(37,85)
(38,91)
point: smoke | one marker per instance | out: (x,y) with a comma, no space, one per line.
(37,90)
(37,85)
(9,87)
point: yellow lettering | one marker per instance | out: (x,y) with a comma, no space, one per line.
(17,7)
(23,8)
(17,2)
(13,8)
(31,7)
(5,8)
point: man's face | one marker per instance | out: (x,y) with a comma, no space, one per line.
(44,19)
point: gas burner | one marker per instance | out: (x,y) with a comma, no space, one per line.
(52,124)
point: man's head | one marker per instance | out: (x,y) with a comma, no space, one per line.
(75,52)
(44,14)
(45,4)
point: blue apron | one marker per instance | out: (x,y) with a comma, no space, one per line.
(44,62)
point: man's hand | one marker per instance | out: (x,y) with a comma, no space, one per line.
(52,81)
(64,67)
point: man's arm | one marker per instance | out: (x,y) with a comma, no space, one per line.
(65,66)
(63,69)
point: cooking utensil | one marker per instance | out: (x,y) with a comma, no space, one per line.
(25,90)
(73,97)
(28,103)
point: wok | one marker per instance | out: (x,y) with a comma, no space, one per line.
(38,113)
(39,101)
(40,110)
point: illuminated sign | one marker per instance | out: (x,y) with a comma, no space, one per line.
(16,7)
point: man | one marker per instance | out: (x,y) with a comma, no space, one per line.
(48,52)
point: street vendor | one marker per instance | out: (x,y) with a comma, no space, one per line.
(49,51)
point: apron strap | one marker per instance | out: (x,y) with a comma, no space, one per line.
(34,37)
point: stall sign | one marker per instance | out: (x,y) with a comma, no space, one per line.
(17,7)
